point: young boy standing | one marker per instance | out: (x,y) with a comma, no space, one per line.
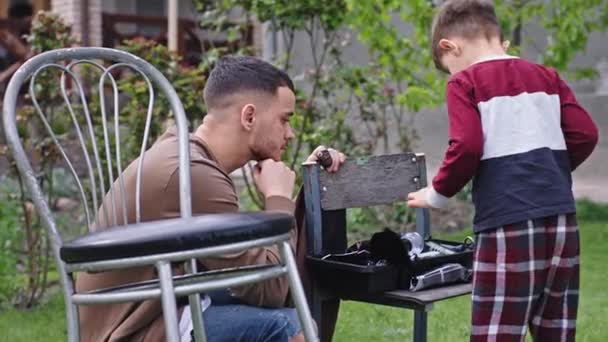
(515,128)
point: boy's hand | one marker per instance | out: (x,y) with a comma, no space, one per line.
(417,199)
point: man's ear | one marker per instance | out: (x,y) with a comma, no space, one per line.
(248,116)
(449,46)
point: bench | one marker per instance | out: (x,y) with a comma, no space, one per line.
(363,182)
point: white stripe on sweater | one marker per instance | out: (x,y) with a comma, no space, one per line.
(521,123)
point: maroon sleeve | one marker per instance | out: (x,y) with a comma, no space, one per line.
(580,132)
(465,141)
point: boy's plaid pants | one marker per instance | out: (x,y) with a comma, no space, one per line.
(527,275)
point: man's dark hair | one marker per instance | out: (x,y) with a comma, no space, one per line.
(234,74)
(469,19)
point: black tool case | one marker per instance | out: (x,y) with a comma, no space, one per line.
(357,273)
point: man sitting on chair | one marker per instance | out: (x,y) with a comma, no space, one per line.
(249,104)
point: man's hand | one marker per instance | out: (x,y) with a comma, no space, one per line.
(418,199)
(274,178)
(337,158)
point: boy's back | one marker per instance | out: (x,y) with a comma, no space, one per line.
(525,166)
(517,130)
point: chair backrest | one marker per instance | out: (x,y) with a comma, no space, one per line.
(102,155)
(360,182)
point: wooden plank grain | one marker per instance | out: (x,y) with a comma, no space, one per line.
(368,181)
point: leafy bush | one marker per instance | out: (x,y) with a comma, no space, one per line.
(188,82)
(25,254)
(11,240)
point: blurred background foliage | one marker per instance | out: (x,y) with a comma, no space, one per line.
(356,108)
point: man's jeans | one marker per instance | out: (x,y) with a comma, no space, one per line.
(228,319)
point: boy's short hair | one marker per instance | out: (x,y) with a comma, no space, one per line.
(234,74)
(463,18)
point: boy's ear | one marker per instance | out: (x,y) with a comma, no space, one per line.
(449,46)
(505,45)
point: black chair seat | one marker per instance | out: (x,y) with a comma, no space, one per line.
(175,235)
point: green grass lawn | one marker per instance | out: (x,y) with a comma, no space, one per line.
(448,321)
(44,323)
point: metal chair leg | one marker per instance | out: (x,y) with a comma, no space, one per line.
(71,310)
(420,326)
(316,307)
(168,301)
(72,321)
(196,311)
(297,291)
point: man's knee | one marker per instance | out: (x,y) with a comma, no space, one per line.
(284,326)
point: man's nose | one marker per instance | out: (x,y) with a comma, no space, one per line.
(289,134)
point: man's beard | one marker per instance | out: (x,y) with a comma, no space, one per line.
(262,152)
(259,156)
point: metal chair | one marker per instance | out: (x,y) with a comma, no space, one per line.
(182,239)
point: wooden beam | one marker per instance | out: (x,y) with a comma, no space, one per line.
(173,23)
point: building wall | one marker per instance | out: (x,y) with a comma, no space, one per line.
(148,7)
(187,10)
(87,30)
